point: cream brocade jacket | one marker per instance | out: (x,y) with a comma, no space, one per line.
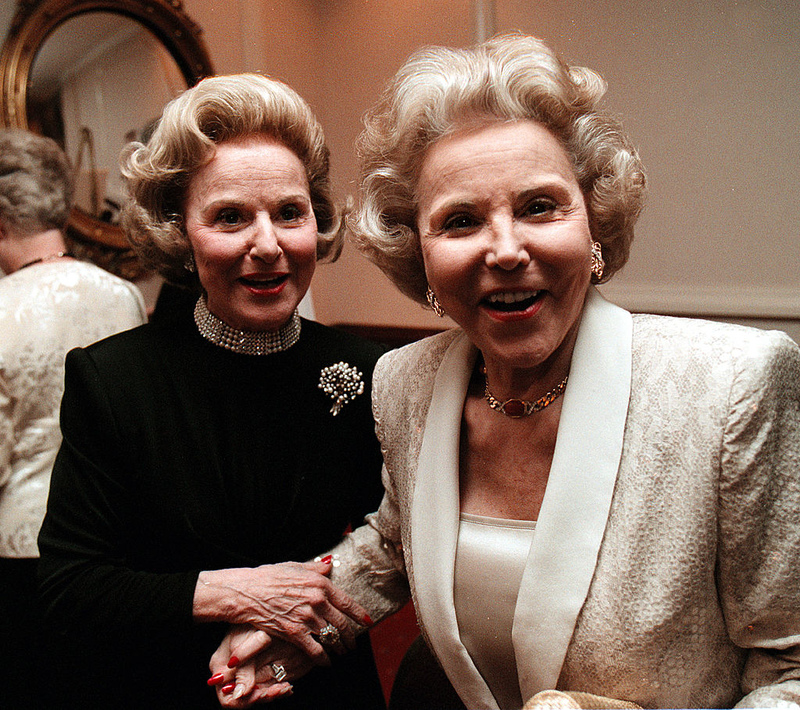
(665,567)
(45,311)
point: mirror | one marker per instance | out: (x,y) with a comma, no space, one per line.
(83,99)
(93,75)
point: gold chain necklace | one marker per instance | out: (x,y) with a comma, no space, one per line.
(516,408)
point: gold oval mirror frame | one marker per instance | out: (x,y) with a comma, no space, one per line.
(34,22)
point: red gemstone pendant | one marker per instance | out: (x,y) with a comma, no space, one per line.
(514,408)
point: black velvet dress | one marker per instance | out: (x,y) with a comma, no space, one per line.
(180,456)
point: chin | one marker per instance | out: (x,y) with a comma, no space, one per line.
(262,316)
(525,352)
(268,324)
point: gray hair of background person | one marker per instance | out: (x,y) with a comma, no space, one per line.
(216,110)
(508,78)
(36,182)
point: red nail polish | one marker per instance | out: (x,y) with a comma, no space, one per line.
(228,688)
(233,662)
(327,559)
(216,679)
(367,620)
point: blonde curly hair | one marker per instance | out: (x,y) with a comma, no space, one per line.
(510,77)
(216,110)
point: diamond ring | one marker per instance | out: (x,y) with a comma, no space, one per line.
(278,671)
(329,636)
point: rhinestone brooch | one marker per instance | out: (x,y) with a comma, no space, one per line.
(342,383)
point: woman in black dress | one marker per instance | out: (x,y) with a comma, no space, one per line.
(203,450)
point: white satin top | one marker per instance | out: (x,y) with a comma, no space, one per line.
(490,560)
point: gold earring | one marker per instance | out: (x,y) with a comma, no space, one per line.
(434,302)
(598,265)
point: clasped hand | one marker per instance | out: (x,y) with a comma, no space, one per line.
(277,612)
(249,667)
(243,668)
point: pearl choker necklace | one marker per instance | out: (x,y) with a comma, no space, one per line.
(246,342)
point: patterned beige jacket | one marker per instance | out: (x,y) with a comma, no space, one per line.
(45,311)
(665,567)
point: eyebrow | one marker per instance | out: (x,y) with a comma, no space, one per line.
(215,204)
(553,184)
(236,201)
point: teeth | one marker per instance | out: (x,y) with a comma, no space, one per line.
(511,296)
(262,280)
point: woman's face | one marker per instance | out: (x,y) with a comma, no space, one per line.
(253,232)
(505,239)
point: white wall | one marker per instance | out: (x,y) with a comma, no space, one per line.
(708,89)
(709,92)
(711,95)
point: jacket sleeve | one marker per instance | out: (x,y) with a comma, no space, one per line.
(759,522)
(369,561)
(90,591)
(6,433)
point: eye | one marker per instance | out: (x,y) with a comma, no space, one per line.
(459,223)
(539,206)
(291,212)
(229,217)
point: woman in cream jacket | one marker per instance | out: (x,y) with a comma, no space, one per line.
(579,498)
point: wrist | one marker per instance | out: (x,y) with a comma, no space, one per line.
(212,597)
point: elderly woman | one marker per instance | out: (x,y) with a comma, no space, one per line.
(201,451)
(50,303)
(580,499)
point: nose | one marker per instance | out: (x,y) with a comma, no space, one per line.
(264,242)
(506,249)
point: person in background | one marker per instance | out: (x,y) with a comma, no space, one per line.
(49,304)
(204,449)
(600,506)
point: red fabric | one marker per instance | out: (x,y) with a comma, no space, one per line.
(390,641)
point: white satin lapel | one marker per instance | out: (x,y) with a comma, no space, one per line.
(575,508)
(435,520)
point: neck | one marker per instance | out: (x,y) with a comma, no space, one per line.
(247,342)
(519,373)
(529,383)
(21,251)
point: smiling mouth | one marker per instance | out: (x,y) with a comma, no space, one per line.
(512,301)
(264,283)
